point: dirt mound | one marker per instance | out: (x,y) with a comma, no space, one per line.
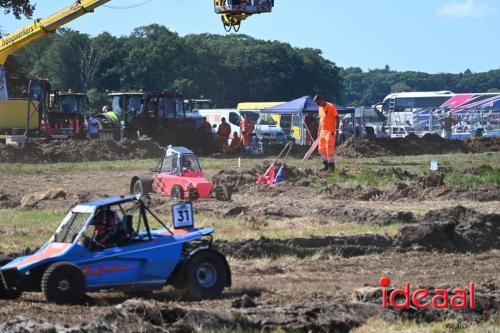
(347,246)
(410,145)
(453,230)
(431,180)
(456,229)
(483,145)
(148,316)
(79,151)
(33,199)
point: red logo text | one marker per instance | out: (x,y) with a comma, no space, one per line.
(422,298)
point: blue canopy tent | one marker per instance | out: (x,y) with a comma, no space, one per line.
(292,116)
(301,106)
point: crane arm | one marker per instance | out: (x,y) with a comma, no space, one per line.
(40,28)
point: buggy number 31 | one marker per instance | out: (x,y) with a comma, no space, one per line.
(182,215)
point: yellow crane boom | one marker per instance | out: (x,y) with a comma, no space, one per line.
(41,28)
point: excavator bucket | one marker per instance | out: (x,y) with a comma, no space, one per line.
(233,12)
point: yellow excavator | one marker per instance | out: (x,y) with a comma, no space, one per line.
(233,12)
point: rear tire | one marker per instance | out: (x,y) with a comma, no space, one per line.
(63,283)
(11,293)
(223,193)
(138,190)
(177,193)
(205,275)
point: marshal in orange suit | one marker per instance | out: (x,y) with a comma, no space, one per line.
(328,119)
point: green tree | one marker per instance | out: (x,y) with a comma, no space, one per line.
(17,7)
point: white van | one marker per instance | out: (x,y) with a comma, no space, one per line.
(214,117)
(266,127)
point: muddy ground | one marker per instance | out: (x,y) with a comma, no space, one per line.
(448,237)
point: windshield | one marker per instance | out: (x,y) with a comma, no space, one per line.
(71,227)
(71,104)
(190,163)
(134,104)
(267,120)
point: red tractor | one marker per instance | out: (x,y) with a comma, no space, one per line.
(179,176)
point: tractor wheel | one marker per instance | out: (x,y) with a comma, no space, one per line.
(177,193)
(63,283)
(223,193)
(138,189)
(205,275)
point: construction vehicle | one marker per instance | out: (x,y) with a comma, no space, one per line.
(160,115)
(41,112)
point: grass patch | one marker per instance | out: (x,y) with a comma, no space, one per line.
(456,178)
(21,229)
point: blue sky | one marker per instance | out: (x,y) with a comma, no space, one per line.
(425,35)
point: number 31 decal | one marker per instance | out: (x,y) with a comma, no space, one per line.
(182,216)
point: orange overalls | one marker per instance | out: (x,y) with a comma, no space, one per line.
(235,145)
(327,128)
(223,134)
(247,127)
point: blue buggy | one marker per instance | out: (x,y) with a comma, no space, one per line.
(110,244)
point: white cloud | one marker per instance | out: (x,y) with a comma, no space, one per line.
(467,9)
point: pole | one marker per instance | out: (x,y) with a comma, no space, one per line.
(3,84)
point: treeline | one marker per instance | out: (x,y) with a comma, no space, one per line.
(368,88)
(227,68)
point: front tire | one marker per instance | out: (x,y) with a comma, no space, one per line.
(63,283)
(205,275)
(138,190)
(177,193)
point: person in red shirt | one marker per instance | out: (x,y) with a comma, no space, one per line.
(328,120)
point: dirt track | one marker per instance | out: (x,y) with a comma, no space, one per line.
(304,284)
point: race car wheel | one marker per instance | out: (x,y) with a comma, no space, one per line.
(138,189)
(63,283)
(205,275)
(222,193)
(11,292)
(177,193)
